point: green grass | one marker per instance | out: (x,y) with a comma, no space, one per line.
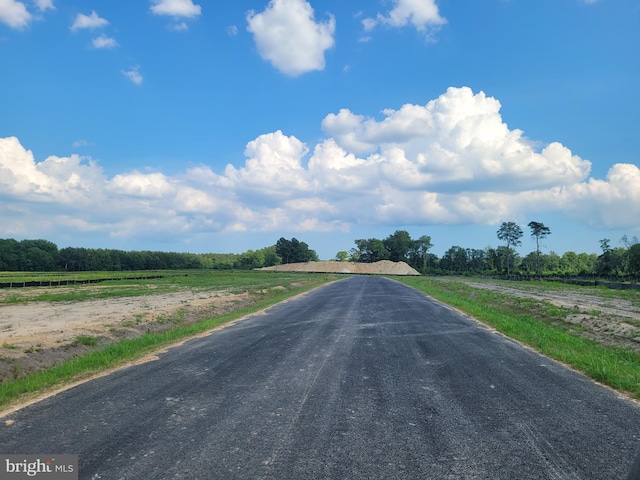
(540,325)
(117,354)
(631,295)
(236,281)
(55,276)
(85,340)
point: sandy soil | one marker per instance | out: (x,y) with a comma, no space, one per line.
(37,334)
(611,321)
(384,267)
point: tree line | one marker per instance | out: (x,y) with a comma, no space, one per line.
(45,256)
(397,247)
(621,261)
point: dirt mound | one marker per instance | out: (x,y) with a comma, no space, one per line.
(384,267)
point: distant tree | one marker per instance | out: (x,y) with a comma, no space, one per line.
(492,260)
(38,255)
(398,245)
(418,255)
(529,263)
(605,261)
(569,263)
(431,261)
(539,231)
(38,260)
(542,263)
(578,263)
(613,261)
(294,251)
(477,260)
(551,262)
(510,233)
(629,242)
(342,256)
(507,256)
(270,256)
(9,253)
(221,261)
(634,259)
(370,250)
(454,260)
(250,259)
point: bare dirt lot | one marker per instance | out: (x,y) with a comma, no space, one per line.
(34,335)
(611,317)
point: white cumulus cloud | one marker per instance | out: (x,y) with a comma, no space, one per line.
(91,21)
(136,184)
(63,180)
(134,75)
(274,166)
(104,41)
(612,203)
(176,8)
(287,36)
(14,14)
(450,161)
(45,5)
(179,27)
(455,141)
(422,14)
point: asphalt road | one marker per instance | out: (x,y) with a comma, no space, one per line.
(364,378)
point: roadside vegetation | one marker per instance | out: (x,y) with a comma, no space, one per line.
(136,283)
(542,326)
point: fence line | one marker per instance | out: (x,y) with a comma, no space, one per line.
(58,283)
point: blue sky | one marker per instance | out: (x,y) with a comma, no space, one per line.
(184,125)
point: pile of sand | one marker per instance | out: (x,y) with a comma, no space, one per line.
(384,267)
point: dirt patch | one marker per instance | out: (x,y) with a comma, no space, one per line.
(607,319)
(35,335)
(384,267)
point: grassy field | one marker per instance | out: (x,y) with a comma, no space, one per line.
(543,326)
(129,284)
(38,276)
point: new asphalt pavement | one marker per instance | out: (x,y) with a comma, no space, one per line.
(364,378)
